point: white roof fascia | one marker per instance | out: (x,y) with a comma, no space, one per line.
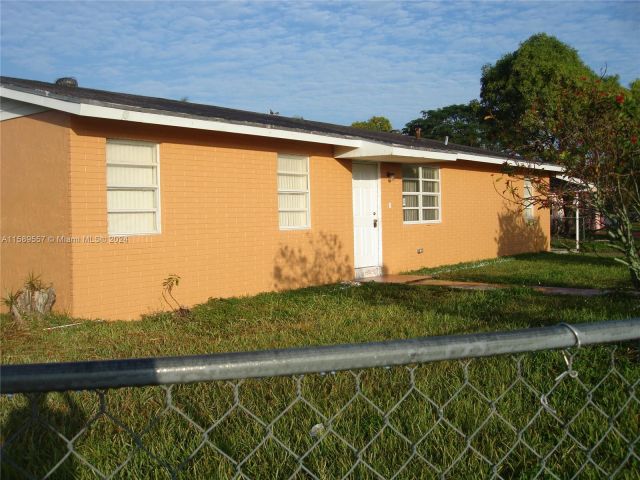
(114,113)
(566,178)
(577,181)
(357,148)
(516,163)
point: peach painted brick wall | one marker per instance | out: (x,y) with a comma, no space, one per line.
(34,192)
(477,222)
(219,217)
(219,220)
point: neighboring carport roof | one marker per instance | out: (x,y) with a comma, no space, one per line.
(50,92)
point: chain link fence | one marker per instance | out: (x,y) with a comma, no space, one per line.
(554,402)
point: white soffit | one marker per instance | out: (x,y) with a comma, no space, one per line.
(10,108)
(516,163)
(577,181)
(383,153)
(377,152)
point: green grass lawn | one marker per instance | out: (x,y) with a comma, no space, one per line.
(468,394)
(581,270)
(312,316)
(592,246)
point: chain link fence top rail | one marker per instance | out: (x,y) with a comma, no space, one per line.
(554,402)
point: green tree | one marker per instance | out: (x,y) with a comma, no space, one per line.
(544,103)
(378,124)
(462,123)
(635,88)
(538,72)
(592,130)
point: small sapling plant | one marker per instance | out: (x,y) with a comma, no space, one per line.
(168,284)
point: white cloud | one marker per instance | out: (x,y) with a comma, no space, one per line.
(335,62)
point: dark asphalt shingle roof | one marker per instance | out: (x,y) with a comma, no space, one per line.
(142,103)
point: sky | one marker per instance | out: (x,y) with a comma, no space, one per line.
(326,61)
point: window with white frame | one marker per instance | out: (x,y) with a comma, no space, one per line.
(420,194)
(529,212)
(293,191)
(133,203)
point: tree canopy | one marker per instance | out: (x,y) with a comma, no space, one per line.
(593,135)
(462,123)
(537,73)
(378,124)
(544,103)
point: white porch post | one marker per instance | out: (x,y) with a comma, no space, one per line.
(577,224)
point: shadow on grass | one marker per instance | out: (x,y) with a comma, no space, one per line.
(33,436)
(501,309)
(568,259)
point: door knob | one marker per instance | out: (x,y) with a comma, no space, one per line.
(375,223)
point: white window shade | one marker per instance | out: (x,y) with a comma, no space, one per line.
(293,191)
(128,199)
(132,188)
(292,219)
(292,182)
(130,176)
(529,212)
(292,201)
(421,194)
(136,153)
(293,164)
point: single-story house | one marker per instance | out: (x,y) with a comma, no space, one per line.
(106,194)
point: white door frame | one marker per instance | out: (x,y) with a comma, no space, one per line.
(379,228)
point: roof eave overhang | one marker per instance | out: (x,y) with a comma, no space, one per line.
(510,161)
(373,152)
(345,148)
(377,152)
(586,186)
(166,119)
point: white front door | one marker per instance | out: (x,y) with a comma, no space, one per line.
(366,220)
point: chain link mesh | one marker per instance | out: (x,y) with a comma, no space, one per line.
(551,414)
